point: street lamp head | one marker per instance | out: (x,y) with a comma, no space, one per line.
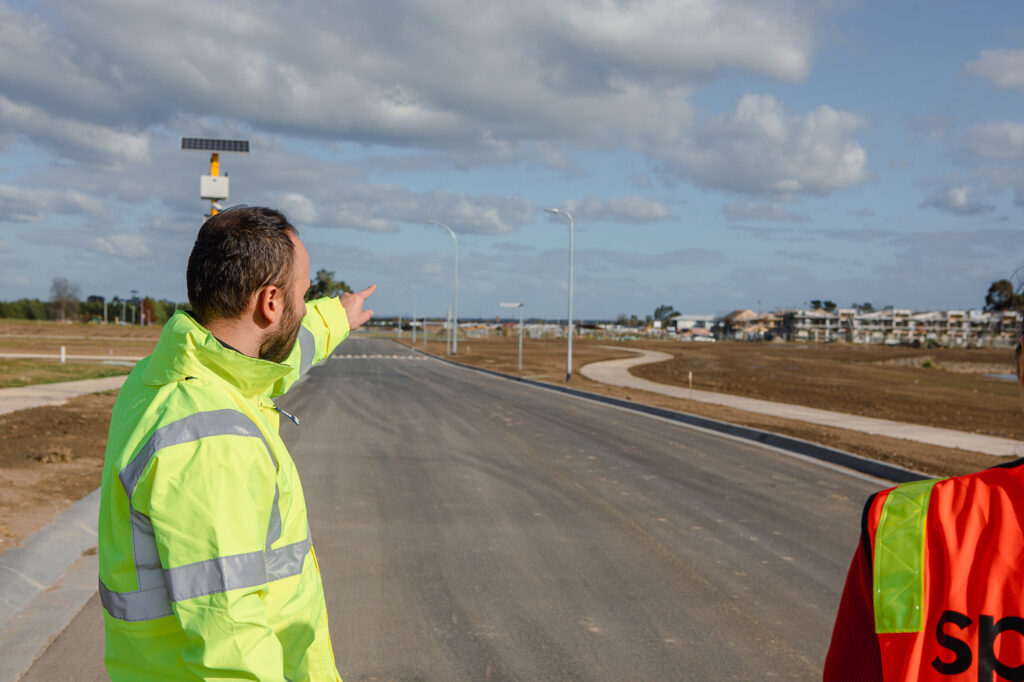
(551,210)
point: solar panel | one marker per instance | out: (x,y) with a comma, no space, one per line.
(207,144)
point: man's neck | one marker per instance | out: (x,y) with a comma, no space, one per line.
(236,334)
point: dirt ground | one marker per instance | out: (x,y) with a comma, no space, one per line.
(31,336)
(49,458)
(52,456)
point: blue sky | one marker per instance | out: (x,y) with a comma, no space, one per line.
(715,155)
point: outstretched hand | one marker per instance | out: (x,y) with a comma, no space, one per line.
(353,305)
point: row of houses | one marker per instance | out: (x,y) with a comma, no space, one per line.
(966,328)
(953,328)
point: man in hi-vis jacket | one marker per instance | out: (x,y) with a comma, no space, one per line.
(206,566)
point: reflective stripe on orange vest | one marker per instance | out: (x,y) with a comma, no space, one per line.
(899,558)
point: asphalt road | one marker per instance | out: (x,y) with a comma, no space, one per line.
(471,528)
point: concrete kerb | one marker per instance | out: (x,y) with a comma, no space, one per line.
(846,460)
(39,595)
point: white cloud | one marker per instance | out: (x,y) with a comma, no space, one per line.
(120,244)
(955,200)
(997,140)
(72,138)
(1002,68)
(299,208)
(20,205)
(760,148)
(628,209)
(382,208)
(676,257)
(749,210)
(502,75)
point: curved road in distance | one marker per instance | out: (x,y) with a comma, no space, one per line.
(473,528)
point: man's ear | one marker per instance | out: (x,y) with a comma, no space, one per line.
(269,305)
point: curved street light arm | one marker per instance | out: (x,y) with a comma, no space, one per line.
(455,287)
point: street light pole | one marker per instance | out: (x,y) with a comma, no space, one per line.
(519,305)
(455,288)
(568,351)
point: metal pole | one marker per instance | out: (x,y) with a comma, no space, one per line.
(455,288)
(455,300)
(568,346)
(520,338)
(214,171)
(568,361)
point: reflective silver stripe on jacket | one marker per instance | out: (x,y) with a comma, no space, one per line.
(206,577)
(159,587)
(307,349)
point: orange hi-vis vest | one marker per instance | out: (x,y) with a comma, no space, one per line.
(948,576)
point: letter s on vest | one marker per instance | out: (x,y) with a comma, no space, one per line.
(988,630)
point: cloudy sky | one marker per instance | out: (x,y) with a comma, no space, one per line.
(714,155)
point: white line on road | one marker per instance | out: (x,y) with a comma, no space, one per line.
(378,356)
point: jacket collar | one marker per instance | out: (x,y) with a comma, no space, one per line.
(187,349)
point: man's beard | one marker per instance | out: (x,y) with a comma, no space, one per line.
(276,346)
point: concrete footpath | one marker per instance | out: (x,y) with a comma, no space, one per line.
(616,373)
(24,397)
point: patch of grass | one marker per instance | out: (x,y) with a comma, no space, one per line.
(28,372)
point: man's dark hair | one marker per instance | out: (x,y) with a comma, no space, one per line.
(236,252)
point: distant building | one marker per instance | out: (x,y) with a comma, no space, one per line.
(692,325)
(746,325)
(902,327)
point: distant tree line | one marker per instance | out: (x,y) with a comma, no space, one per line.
(65,304)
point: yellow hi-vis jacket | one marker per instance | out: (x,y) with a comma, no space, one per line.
(206,567)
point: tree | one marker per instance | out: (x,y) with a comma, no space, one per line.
(24,309)
(816,304)
(64,299)
(324,284)
(864,307)
(664,312)
(829,306)
(1001,296)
